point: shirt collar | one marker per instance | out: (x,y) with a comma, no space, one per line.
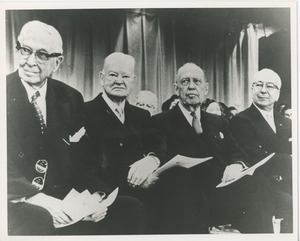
(111,104)
(264,112)
(31,90)
(187,113)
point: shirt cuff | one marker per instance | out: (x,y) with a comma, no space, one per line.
(155,158)
(241,163)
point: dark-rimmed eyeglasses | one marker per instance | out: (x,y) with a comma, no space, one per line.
(40,56)
(269,86)
(141,104)
(41,166)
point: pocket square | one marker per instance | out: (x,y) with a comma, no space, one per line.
(77,136)
(221,135)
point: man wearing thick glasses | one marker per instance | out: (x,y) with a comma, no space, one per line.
(43,116)
(260,131)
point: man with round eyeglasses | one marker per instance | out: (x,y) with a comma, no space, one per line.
(260,131)
(43,116)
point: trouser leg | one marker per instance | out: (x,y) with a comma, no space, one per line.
(125,216)
(27,219)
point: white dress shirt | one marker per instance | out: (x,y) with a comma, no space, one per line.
(41,100)
(269,117)
(187,113)
(118,110)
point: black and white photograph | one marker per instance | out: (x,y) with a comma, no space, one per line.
(163,121)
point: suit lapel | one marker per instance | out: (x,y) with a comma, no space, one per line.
(260,124)
(103,108)
(19,110)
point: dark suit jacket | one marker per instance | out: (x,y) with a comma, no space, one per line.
(174,135)
(258,140)
(116,145)
(26,145)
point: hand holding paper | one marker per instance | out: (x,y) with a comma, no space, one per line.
(182,161)
(84,206)
(248,171)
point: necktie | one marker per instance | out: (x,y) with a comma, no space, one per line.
(120,114)
(38,111)
(196,123)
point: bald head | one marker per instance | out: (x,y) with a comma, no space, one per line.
(267,75)
(117,77)
(190,68)
(42,33)
(191,85)
(266,89)
(118,58)
(147,100)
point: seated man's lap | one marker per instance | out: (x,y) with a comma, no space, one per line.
(27,219)
(125,216)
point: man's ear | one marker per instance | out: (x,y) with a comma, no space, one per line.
(176,88)
(134,78)
(58,60)
(101,77)
(206,88)
(278,95)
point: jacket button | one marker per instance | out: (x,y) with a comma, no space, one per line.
(121,144)
(21,154)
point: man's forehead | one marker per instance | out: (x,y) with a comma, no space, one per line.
(118,64)
(191,71)
(42,38)
(266,75)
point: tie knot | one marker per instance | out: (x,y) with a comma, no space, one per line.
(193,113)
(119,111)
(35,96)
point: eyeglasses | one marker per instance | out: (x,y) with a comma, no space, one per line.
(187,81)
(269,86)
(40,56)
(143,104)
(41,166)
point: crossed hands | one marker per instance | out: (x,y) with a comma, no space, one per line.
(60,217)
(140,173)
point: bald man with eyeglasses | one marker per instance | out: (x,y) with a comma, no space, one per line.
(260,131)
(45,121)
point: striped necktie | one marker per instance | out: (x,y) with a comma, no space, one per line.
(120,113)
(38,111)
(196,123)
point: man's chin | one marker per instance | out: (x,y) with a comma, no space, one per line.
(31,80)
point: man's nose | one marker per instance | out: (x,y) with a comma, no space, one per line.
(191,84)
(31,60)
(263,88)
(119,79)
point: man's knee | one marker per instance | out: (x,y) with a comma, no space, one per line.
(27,219)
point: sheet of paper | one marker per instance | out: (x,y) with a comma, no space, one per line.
(248,171)
(111,197)
(79,205)
(71,195)
(183,161)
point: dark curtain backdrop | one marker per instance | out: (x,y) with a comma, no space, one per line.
(224,42)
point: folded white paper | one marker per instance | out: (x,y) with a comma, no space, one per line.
(248,171)
(80,205)
(182,161)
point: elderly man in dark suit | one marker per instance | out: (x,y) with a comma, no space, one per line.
(189,197)
(260,131)
(116,130)
(115,127)
(43,115)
